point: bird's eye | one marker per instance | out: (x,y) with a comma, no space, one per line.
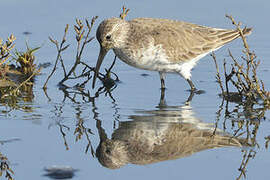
(108,151)
(108,37)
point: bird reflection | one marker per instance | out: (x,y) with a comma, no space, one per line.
(159,135)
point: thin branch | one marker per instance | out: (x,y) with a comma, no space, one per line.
(59,49)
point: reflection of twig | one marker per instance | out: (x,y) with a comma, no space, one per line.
(247,114)
(74,94)
(246,157)
(2,142)
(4,167)
(46,94)
(245,126)
(81,130)
(245,121)
(61,126)
(267,142)
(58,112)
(218,113)
(106,90)
(77,93)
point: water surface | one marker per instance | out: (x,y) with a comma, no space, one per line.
(61,129)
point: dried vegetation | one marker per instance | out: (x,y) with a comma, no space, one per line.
(244,98)
(4,168)
(17,71)
(80,71)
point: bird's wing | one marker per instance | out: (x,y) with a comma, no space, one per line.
(183,41)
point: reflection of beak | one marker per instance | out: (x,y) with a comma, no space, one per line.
(101,56)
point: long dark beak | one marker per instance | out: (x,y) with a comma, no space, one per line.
(102,54)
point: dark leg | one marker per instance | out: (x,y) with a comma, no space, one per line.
(192,87)
(162,79)
(162,102)
(190,97)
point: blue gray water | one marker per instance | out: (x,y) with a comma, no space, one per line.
(45,129)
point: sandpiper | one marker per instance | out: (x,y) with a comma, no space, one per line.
(162,45)
(157,135)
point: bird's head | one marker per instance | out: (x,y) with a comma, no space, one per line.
(112,153)
(111,34)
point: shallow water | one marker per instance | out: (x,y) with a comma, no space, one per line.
(43,130)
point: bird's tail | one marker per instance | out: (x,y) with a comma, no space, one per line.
(231,35)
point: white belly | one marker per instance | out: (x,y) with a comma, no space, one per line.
(154,58)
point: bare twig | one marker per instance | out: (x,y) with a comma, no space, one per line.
(79,29)
(124,12)
(218,73)
(245,160)
(59,51)
(244,76)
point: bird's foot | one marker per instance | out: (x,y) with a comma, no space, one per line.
(163,88)
(192,92)
(196,91)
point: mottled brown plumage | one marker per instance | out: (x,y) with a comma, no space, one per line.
(159,136)
(160,44)
(182,41)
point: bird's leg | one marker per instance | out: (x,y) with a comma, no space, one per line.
(162,102)
(190,97)
(162,80)
(192,87)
